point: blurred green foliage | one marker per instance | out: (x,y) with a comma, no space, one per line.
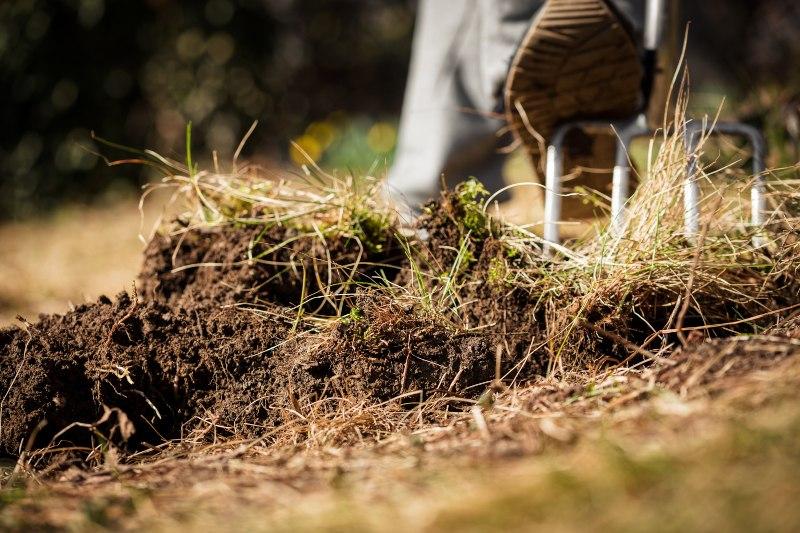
(341,142)
(137,72)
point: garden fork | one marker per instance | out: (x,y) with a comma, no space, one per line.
(631,128)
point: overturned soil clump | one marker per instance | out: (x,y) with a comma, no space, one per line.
(281,266)
(184,360)
(159,366)
(239,329)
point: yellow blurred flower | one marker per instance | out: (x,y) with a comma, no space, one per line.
(304,148)
(382,137)
(324,132)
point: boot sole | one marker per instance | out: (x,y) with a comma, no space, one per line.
(577,60)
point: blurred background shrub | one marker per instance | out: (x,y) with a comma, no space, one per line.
(328,74)
(136,71)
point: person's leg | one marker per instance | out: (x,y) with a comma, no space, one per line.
(435,127)
(450,120)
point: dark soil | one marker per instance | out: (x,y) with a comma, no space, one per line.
(255,266)
(182,360)
(215,345)
(160,366)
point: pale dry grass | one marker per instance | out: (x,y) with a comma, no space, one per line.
(637,449)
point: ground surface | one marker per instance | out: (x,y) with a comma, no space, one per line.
(707,441)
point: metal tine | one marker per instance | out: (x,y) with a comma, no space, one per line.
(626,131)
(691,189)
(620,185)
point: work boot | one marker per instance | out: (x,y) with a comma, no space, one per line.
(578,60)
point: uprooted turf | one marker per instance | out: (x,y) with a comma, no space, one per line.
(216,340)
(277,317)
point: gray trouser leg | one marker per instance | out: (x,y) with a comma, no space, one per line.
(449,124)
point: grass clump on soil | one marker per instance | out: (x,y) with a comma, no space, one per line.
(299,312)
(470,197)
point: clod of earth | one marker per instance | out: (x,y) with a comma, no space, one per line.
(186,358)
(238,328)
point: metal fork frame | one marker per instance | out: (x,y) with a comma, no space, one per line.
(629,129)
(626,131)
(691,187)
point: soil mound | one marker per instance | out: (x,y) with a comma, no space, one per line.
(184,360)
(229,335)
(234,265)
(161,366)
